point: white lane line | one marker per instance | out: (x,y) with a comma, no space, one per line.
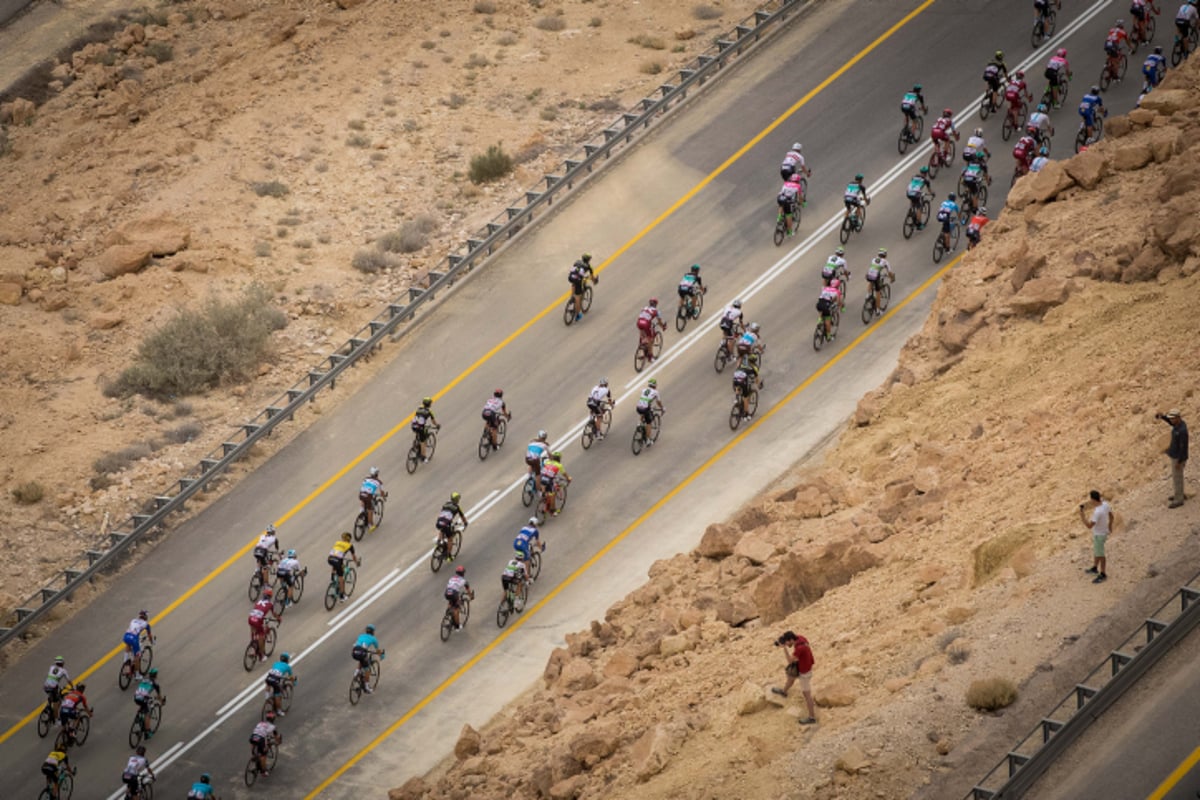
(379,586)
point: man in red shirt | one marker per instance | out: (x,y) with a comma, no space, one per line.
(799,666)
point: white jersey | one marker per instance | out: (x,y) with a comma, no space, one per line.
(494,404)
(1039,121)
(457,584)
(135,765)
(648,397)
(57,676)
(975,144)
(1187,12)
(267,541)
(732,315)
(137,625)
(264,729)
(288,566)
(600,394)
(879,266)
(794,160)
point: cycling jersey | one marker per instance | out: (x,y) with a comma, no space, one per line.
(878,268)
(748,342)
(836,265)
(134,766)
(646,317)
(948,215)
(145,688)
(1116,37)
(371,486)
(742,375)
(263,733)
(1039,122)
(855,193)
(492,407)
(828,300)
(1087,108)
(536,450)
(339,553)
(789,194)
(600,394)
(1153,68)
(445,518)
(72,699)
(200,791)
(1015,90)
(972,176)
(910,103)
(456,585)
(367,642)
(422,417)
(1056,69)
(54,763)
(1187,15)
(976,225)
(689,284)
(731,317)
(794,160)
(1038,163)
(512,573)
(917,186)
(1025,149)
(975,146)
(579,271)
(550,471)
(1138,9)
(278,673)
(525,537)
(133,636)
(992,73)
(647,398)
(56,678)
(288,567)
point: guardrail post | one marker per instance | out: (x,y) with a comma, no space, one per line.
(229,447)
(93,556)
(117,538)
(532,197)
(22,613)
(47,593)
(454,260)
(1049,728)
(1119,660)
(250,428)
(1083,694)
(72,574)
(414,293)
(1015,762)
(140,519)
(1187,596)
(1153,628)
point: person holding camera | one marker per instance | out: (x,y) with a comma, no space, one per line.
(1100,522)
(1177,452)
(799,666)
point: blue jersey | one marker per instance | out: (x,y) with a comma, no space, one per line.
(200,791)
(1088,105)
(537,450)
(524,537)
(282,669)
(367,640)
(949,206)
(370,486)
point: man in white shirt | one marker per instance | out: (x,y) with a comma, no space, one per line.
(1099,518)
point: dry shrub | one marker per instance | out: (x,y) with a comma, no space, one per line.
(491,165)
(647,41)
(160,52)
(371,261)
(484,7)
(958,653)
(994,554)
(991,694)
(706,12)
(28,493)
(357,140)
(412,236)
(550,23)
(651,67)
(181,434)
(270,189)
(118,460)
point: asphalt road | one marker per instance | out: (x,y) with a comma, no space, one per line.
(651,506)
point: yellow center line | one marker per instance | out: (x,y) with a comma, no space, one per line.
(1176,776)
(591,562)
(341,473)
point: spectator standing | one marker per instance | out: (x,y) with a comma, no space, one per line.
(1177,452)
(799,667)
(1097,515)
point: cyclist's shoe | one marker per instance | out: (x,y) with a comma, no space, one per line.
(372,528)
(281,713)
(578,317)
(264,658)
(148,735)
(368,689)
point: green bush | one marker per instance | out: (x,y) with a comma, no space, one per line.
(991,694)
(200,348)
(28,493)
(490,166)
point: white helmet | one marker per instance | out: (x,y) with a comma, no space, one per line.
(796,147)
(533,521)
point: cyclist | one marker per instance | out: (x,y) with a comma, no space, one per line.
(133,635)
(827,304)
(451,511)
(53,768)
(527,538)
(365,646)
(552,475)
(423,422)
(919,186)
(1185,21)
(456,587)
(855,197)
(73,702)
(1154,68)
(948,215)
(262,609)
(56,679)
(372,486)
(1140,9)
(147,687)
(745,376)
(493,409)
(599,400)
(134,767)
(647,319)
(202,789)
(835,266)
(512,576)
(280,675)
(1058,72)
(580,276)
(975,226)
(751,340)
(940,134)
(788,198)
(1038,125)
(343,549)
(648,401)
(793,165)
(1023,152)
(1017,90)
(879,271)
(909,104)
(267,542)
(536,453)
(261,738)
(288,570)
(840,287)
(995,74)
(689,285)
(976,152)
(1088,106)
(1042,159)
(1113,41)
(732,323)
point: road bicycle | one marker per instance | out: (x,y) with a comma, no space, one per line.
(445,548)
(1160,71)
(597,426)
(1142,33)
(414,452)
(942,156)
(365,682)
(287,596)
(145,790)
(1014,120)
(1082,139)
(745,404)
(285,699)
(331,591)
(65,783)
(646,353)
(529,490)
(689,308)
(916,217)
(75,732)
(256,580)
(485,439)
(137,665)
(146,721)
(1114,70)
(991,102)
(558,497)
(854,221)
(781,230)
(910,134)
(1181,49)
(570,313)
(516,595)
(252,771)
(1043,27)
(726,351)
(869,308)
(819,337)
(253,654)
(45,719)
(972,184)
(360,522)
(464,613)
(1051,99)
(939,244)
(644,435)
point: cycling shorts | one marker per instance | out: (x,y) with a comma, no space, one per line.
(576,281)
(257,623)
(452,597)
(50,770)
(644,324)
(909,110)
(788,204)
(824,305)
(142,700)
(786,171)
(1112,48)
(915,195)
(1089,116)
(685,292)
(489,416)
(361,654)
(852,201)
(547,482)
(647,413)
(261,554)
(1053,75)
(131,781)
(259,743)
(65,714)
(534,462)
(366,498)
(939,134)
(134,641)
(594,405)
(286,578)
(947,223)
(338,565)
(53,692)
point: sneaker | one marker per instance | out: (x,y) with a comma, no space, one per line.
(262,658)
(578,317)
(425,460)
(778,691)
(147,736)
(458,627)
(495,447)
(265,772)
(372,528)
(1174,504)
(1101,578)
(649,442)
(281,713)
(1092,570)
(808,720)
(368,689)
(342,599)
(878,313)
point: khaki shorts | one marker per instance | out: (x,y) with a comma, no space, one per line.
(1098,545)
(805,681)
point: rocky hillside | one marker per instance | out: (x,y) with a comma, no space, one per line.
(938,542)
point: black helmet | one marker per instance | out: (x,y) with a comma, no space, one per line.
(206,778)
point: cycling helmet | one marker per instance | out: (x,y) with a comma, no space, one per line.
(285,657)
(946,112)
(270,528)
(291,553)
(346,536)
(370,629)
(737,303)
(841,251)
(983,210)
(143,614)
(1095,90)
(586,258)
(268,592)
(427,402)
(206,778)
(59,660)
(653,384)
(533,522)
(153,672)
(1121,24)
(141,748)
(460,570)
(270,718)
(1019,75)
(753,358)
(883,252)
(498,393)
(1042,108)
(654,302)
(455,497)
(916,87)
(979,132)
(835,284)
(695,269)
(556,455)
(952,197)
(925,170)
(858,178)
(604,381)
(1045,151)
(999,55)
(373,472)
(1158,50)
(81,687)
(1061,52)
(519,556)
(542,435)
(796,147)
(754,327)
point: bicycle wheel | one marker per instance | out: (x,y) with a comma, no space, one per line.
(272,756)
(639,357)
(985,105)
(430,444)
(351,579)
(267,706)
(779,231)
(43,722)
(66,785)
(844,233)
(1007,127)
(885,296)
(413,458)
(605,421)
(540,512)
(62,742)
(135,731)
(910,223)
(83,726)
(569,312)
(249,657)
(438,556)
(560,498)
(935,162)
(1151,29)
(1038,34)
(285,698)
(331,596)
(535,564)
(356,690)
(586,303)
(501,432)
(1105,77)
(146,658)
(1081,139)
(360,526)
(981,195)
(528,492)
(589,434)
(1177,51)
(656,423)
(298,586)
(373,670)
(656,348)
(503,610)
(272,635)
(447,625)
(819,336)
(721,358)
(939,249)
(902,140)
(251,774)
(377,506)
(255,588)
(639,439)
(454,544)
(125,675)
(485,444)
(735,414)
(868,308)
(45,795)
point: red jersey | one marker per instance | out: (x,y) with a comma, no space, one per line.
(1117,36)
(977,222)
(1025,150)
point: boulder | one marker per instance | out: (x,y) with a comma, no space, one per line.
(750,699)
(957,332)
(1087,168)
(1165,143)
(18,112)
(594,744)
(123,259)
(834,694)
(568,789)
(651,753)
(754,549)
(621,663)
(674,645)
(1050,182)
(1138,116)
(853,761)
(718,541)
(811,503)
(577,675)
(413,789)
(103,322)
(1146,265)
(1117,127)
(162,234)
(468,743)
(1129,155)
(10,294)
(1025,268)
(554,664)
(1040,295)
(1167,101)
(798,581)
(1179,181)
(736,610)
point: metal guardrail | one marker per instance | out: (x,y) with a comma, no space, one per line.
(1022,766)
(478,248)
